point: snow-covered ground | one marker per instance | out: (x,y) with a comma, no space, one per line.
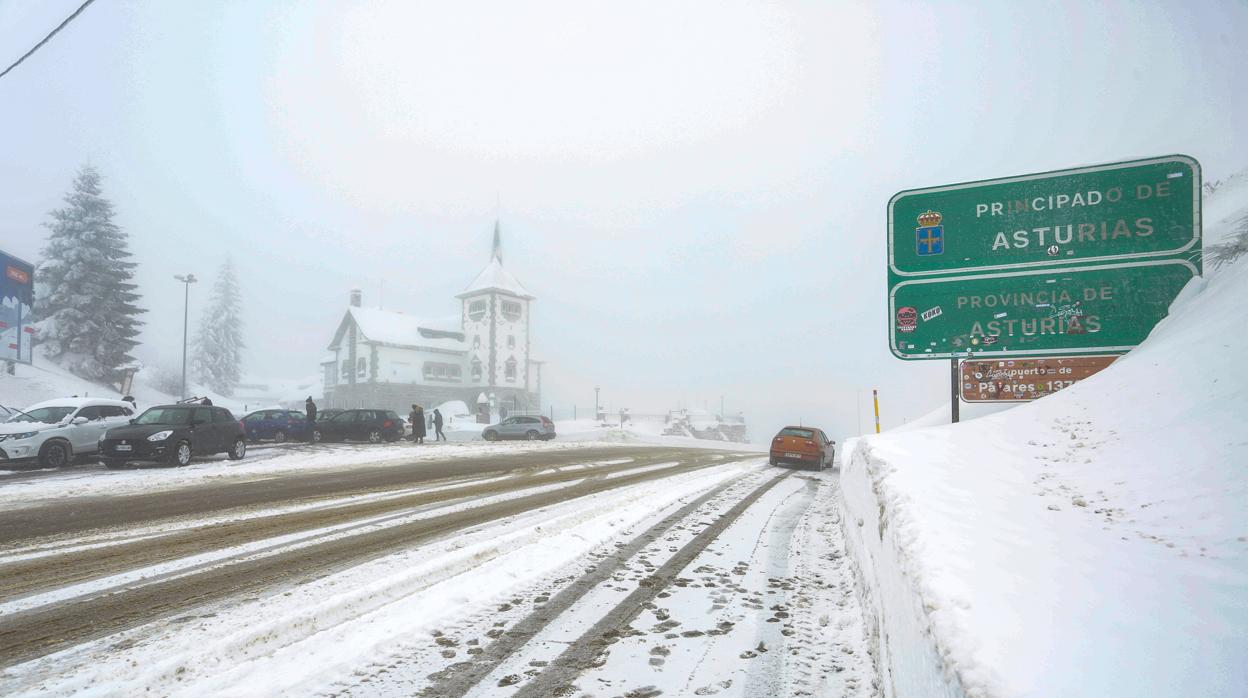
(763,605)
(260,464)
(1091,543)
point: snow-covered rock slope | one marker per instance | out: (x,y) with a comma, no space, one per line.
(1093,543)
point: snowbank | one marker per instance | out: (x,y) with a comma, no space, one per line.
(1091,543)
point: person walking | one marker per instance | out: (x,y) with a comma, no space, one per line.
(418,425)
(437,426)
(309,408)
(413,418)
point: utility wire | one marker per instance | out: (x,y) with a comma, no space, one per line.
(47,38)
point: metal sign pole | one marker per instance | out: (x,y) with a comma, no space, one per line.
(953,387)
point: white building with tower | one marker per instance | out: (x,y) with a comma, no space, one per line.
(390,360)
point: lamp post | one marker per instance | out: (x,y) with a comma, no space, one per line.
(596,409)
(186,305)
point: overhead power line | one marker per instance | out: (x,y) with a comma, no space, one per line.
(47,38)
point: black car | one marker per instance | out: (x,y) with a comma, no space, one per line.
(373,426)
(174,434)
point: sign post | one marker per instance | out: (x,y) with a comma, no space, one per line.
(954,383)
(875,396)
(1079,261)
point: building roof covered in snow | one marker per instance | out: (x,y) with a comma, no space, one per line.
(399,329)
(494,277)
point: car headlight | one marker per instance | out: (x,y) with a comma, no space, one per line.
(19,437)
(160,435)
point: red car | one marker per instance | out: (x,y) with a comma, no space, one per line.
(803,446)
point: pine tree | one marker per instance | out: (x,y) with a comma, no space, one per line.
(219,341)
(87,315)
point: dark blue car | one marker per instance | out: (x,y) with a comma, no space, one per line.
(276,425)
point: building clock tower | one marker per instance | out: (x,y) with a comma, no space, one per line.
(496,311)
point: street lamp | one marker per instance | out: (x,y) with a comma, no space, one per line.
(596,412)
(186,305)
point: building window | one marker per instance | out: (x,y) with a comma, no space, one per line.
(509,369)
(511,341)
(476,370)
(443,373)
(346,369)
(476,310)
(361,368)
(511,310)
(476,341)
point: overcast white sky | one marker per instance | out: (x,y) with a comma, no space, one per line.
(694,191)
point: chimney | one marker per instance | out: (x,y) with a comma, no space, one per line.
(355,298)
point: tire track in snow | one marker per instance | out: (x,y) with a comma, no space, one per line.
(459,678)
(39,632)
(561,673)
(40,574)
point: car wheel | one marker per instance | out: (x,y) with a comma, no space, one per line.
(491,436)
(532,436)
(374,436)
(279,437)
(771,461)
(181,454)
(239,450)
(316,436)
(55,454)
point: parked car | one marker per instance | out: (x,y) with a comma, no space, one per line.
(373,426)
(174,434)
(530,428)
(328,414)
(803,446)
(276,425)
(56,431)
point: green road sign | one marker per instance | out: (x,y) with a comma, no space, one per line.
(1069,310)
(1090,258)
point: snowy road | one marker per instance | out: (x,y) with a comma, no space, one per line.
(608,569)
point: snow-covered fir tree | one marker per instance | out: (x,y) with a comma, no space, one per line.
(219,342)
(87,312)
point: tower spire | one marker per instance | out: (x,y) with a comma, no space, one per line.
(497,253)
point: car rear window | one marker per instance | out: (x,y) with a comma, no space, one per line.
(799,433)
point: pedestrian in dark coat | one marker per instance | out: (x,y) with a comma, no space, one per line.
(413,418)
(437,426)
(418,425)
(206,401)
(309,408)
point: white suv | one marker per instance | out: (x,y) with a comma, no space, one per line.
(56,431)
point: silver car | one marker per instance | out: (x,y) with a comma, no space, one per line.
(56,432)
(529,428)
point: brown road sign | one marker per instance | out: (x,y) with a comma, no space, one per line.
(1019,380)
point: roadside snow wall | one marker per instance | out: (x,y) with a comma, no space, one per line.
(906,653)
(1092,543)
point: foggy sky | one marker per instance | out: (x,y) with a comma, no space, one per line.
(695,192)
